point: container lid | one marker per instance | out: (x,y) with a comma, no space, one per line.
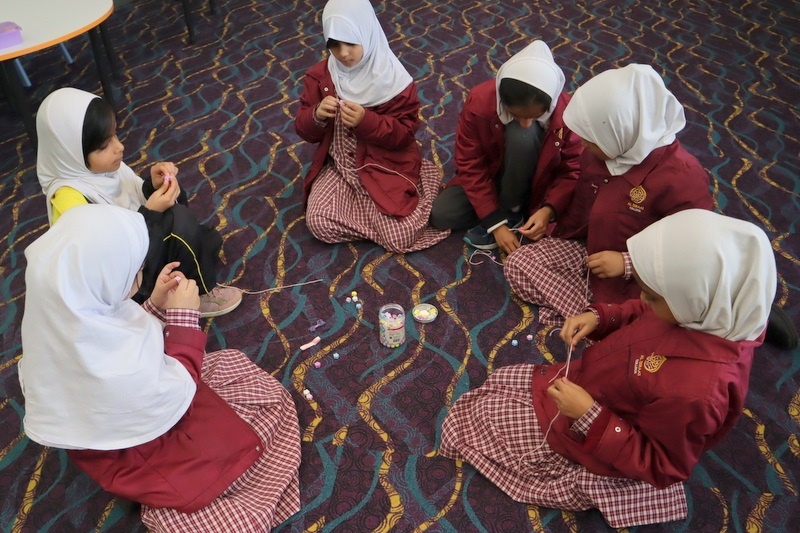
(424,313)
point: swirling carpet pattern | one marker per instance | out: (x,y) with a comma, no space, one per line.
(222,110)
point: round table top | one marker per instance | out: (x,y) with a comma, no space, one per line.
(46,23)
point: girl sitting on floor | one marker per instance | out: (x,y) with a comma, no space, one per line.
(206,442)
(633,172)
(79,161)
(367,180)
(622,427)
(516,161)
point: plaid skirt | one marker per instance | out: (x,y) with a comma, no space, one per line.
(552,274)
(267,493)
(495,429)
(340,209)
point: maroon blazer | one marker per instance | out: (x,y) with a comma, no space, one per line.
(387,152)
(192,463)
(667,394)
(480,152)
(606,210)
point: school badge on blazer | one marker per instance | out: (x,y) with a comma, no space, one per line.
(637,197)
(650,363)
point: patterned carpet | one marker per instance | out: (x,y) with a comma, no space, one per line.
(222,110)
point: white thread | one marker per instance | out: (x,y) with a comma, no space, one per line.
(390,171)
(245,291)
(482,252)
(550,426)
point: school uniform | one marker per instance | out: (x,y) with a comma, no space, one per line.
(612,201)
(480,150)
(663,393)
(205,442)
(175,234)
(369,182)
(506,171)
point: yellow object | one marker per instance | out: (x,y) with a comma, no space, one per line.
(64,199)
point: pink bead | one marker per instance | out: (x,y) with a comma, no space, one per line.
(317,364)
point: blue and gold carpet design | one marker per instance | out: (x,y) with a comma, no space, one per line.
(222,110)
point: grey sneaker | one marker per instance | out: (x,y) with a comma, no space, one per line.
(479,238)
(219,300)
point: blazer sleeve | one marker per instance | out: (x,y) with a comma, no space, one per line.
(392,125)
(614,316)
(664,446)
(187,345)
(559,194)
(473,171)
(304,124)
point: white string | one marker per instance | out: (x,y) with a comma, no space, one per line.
(550,426)
(245,291)
(490,255)
(389,170)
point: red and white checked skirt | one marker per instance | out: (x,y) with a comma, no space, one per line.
(552,274)
(494,428)
(267,493)
(340,210)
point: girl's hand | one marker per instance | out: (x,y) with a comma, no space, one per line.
(506,239)
(572,400)
(352,114)
(185,295)
(167,280)
(164,197)
(577,327)
(536,226)
(607,264)
(161,170)
(326,109)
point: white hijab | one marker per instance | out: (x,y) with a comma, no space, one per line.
(535,66)
(379,76)
(716,273)
(59,163)
(628,112)
(93,371)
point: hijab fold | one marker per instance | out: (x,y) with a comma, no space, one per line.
(627,112)
(60,163)
(93,372)
(379,76)
(535,66)
(716,273)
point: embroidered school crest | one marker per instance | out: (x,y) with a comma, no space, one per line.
(638,194)
(651,363)
(637,197)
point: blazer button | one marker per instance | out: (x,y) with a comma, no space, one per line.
(325,89)
(558,143)
(618,429)
(258,448)
(166,334)
(544,372)
(605,181)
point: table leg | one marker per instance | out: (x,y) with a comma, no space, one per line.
(108,90)
(112,57)
(16,97)
(188,17)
